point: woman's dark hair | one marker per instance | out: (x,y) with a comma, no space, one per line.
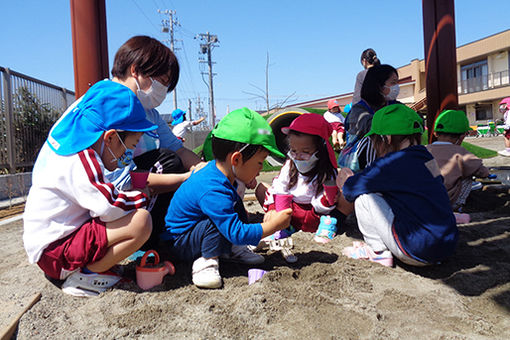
(323,169)
(149,56)
(222,147)
(380,142)
(371,90)
(370,57)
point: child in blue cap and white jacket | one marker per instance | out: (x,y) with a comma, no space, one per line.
(76,224)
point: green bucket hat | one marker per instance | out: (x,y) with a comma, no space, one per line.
(249,127)
(396,119)
(452,121)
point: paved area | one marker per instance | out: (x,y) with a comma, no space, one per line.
(496,143)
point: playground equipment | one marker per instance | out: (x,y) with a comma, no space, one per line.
(278,120)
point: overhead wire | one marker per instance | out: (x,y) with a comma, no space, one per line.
(143,13)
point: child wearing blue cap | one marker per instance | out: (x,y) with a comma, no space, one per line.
(76,224)
(180,125)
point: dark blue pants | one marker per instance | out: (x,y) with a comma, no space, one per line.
(203,240)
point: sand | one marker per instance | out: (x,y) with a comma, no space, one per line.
(324,295)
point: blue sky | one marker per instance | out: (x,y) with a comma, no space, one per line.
(314,46)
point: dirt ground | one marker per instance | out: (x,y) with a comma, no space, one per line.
(324,295)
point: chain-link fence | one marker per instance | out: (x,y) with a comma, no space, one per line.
(28,109)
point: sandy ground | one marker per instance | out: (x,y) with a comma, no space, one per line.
(324,295)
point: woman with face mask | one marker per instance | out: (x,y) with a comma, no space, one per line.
(380,88)
(151,70)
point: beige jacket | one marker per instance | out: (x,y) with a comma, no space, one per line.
(456,164)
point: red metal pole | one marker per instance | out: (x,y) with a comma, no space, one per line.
(90,48)
(440,58)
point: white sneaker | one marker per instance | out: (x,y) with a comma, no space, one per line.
(504,153)
(243,254)
(81,284)
(206,273)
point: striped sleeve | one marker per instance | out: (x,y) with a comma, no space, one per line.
(97,195)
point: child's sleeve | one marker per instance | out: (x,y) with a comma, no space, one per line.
(279,186)
(320,204)
(91,191)
(218,205)
(372,179)
(473,166)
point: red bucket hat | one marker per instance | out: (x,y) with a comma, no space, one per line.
(332,103)
(314,124)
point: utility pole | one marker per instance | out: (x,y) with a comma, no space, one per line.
(209,41)
(189,110)
(167,26)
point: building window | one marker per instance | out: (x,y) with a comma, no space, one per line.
(474,77)
(483,111)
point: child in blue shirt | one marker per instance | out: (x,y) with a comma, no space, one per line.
(206,216)
(401,204)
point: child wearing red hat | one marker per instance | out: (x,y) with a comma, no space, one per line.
(310,164)
(334,117)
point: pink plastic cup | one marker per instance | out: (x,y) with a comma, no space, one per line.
(331,192)
(282,201)
(462,218)
(255,274)
(139,179)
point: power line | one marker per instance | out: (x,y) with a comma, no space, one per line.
(167,26)
(209,42)
(146,17)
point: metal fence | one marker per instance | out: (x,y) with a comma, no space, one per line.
(29,107)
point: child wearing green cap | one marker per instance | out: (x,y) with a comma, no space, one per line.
(401,204)
(457,165)
(206,215)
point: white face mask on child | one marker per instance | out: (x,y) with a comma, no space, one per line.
(304,166)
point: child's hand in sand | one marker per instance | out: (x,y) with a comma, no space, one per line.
(343,174)
(276,220)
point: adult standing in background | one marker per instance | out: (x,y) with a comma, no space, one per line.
(368,59)
(380,88)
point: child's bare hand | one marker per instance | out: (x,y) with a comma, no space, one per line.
(343,174)
(267,216)
(281,218)
(196,167)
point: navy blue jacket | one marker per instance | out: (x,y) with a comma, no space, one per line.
(409,180)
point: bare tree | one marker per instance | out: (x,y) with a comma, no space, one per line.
(264,95)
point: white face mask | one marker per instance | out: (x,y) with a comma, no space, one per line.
(394,91)
(304,166)
(154,96)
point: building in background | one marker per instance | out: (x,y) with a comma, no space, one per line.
(483,80)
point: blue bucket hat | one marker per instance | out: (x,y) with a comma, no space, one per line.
(106,105)
(178,116)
